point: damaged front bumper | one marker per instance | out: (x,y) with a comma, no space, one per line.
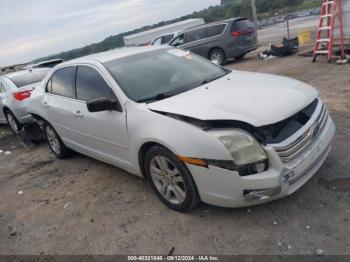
(226,188)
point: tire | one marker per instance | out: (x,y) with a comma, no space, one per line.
(12,121)
(55,142)
(217,54)
(170,180)
(237,58)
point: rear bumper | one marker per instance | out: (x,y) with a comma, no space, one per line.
(238,51)
(226,188)
(20,111)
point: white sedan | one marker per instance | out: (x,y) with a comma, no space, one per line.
(194,130)
(15,93)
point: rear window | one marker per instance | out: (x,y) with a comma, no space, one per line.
(241,25)
(28,78)
(216,30)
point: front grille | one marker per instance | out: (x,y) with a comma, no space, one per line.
(293,149)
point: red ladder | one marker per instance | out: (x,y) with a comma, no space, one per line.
(331,9)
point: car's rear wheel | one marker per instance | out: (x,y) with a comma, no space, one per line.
(15,126)
(55,143)
(217,55)
(171,180)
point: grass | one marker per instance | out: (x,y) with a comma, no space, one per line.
(309,5)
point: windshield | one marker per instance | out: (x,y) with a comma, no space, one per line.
(28,78)
(156,74)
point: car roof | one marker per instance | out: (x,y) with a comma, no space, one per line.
(21,72)
(47,62)
(166,27)
(171,33)
(50,61)
(215,23)
(114,54)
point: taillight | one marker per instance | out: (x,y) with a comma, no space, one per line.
(244,32)
(237,33)
(22,95)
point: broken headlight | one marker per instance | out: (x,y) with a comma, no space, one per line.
(248,155)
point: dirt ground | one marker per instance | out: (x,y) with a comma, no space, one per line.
(83,206)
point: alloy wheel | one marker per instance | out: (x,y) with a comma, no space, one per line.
(53,140)
(217,56)
(12,122)
(168,180)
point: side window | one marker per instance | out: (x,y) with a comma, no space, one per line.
(63,82)
(91,85)
(216,30)
(166,39)
(196,35)
(2,87)
(180,40)
(157,42)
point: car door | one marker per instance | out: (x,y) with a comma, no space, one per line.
(166,39)
(215,35)
(196,41)
(58,103)
(102,134)
(178,41)
(2,97)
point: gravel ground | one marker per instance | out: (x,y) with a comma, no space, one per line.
(83,206)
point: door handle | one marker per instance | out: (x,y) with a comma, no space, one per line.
(78,113)
(45,104)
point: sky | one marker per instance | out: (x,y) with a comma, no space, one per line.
(35,28)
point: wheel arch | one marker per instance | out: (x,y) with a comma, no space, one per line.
(216,47)
(38,118)
(6,108)
(145,147)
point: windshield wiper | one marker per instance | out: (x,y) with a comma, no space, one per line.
(170,94)
(212,79)
(158,97)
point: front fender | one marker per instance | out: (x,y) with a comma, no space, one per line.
(180,137)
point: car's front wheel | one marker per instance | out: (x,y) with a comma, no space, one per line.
(55,143)
(171,180)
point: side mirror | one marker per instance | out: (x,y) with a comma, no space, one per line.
(176,44)
(103,104)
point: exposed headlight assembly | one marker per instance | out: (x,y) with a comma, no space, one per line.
(248,155)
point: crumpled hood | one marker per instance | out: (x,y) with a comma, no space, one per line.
(254,98)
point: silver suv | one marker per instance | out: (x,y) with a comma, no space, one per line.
(220,41)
